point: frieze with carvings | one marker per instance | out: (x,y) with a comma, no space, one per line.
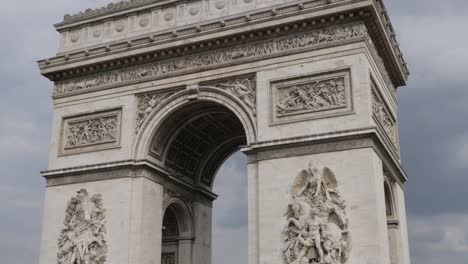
(243,88)
(316,229)
(147,103)
(314,96)
(311,96)
(237,54)
(92,131)
(82,237)
(382,115)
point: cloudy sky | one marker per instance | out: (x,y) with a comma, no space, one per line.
(433,118)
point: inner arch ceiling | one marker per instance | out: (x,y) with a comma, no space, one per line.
(195,140)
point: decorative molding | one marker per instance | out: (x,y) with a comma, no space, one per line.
(244,88)
(309,97)
(91,132)
(382,69)
(217,58)
(148,102)
(82,237)
(316,228)
(382,115)
(169,195)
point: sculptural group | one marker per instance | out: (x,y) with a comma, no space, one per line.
(316,229)
(82,239)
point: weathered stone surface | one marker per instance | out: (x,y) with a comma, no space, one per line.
(142,124)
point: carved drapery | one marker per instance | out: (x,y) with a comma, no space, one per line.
(243,88)
(239,53)
(91,131)
(147,103)
(382,114)
(82,237)
(316,229)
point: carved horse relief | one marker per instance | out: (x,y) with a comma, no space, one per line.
(316,229)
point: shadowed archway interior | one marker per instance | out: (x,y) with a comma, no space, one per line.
(194,141)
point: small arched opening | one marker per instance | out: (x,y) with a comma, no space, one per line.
(176,234)
(393,224)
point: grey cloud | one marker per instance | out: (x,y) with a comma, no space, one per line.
(439,239)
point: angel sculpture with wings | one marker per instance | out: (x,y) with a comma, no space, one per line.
(312,178)
(244,89)
(316,222)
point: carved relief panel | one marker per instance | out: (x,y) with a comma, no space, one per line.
(82,237)
(310,97)
(148,102)
(316,229)
(242,87)
(383,117)
(90,132)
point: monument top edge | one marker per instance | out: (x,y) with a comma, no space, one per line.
(128,5)
(373,11)
(111,7)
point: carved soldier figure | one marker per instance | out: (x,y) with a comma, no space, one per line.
(310,237)
(310,234)
(82,239)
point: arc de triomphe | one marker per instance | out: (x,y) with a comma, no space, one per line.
(150,97)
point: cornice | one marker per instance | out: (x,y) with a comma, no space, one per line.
(225,55)
(254,19)
(369,137)
(270,24)
(111,8)
(118,170)
(122,9)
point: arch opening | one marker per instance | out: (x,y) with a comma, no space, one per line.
(191,142)
(392,224)
(176,230)
(194,141)
(389,207)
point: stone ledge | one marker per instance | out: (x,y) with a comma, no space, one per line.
(339,141)
(121,169)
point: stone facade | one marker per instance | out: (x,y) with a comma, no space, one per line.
(151,97)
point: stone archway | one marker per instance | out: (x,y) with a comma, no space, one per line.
(194,141)
(393,222)
(196,97)
(150,97)
(190,142)
(177,233)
